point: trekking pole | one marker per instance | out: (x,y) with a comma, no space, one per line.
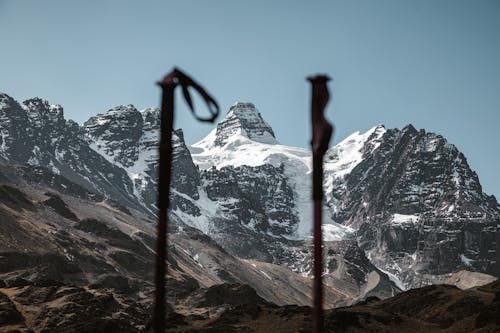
(168,84)
(321,134)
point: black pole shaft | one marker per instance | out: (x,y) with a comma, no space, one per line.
(164,177)
(318,237)
(322,132)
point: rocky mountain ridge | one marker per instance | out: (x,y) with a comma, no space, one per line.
(406,198)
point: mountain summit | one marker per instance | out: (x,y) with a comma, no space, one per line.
(243,119)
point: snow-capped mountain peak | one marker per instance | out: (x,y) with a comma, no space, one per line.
(245,120)
(243,137)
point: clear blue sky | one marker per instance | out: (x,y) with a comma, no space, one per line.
(435,63)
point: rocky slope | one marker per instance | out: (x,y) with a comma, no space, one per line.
(432,309)
(61,253)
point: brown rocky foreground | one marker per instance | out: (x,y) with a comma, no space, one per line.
(238,308)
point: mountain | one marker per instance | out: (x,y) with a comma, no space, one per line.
(408,197)
(418,208)
(77,205)
(252,195)
(128,139)
(249,206)
(35,134)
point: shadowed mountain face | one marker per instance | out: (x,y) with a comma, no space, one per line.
(77,204)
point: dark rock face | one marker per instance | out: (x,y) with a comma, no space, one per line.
(231,294)
(413,173)
(258,197)
(55,202)
(117,133)
(45,177)
(185,179)
(9,315)
(419,208)
(15,198)
(249,243)
(14,137)
(345,265)
(129,139)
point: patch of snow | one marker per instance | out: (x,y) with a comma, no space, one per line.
(402,218)
(33,161)
(394,279)
(334,232)
(240,150)
(196,258)
(98,146)
(267,276)
(59,155)
(456,177)
(431,144)
(347,154)
(208,209)
(342,158)
(101,120)
(394,267)
(466,261)
(4,135)
(54,169)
